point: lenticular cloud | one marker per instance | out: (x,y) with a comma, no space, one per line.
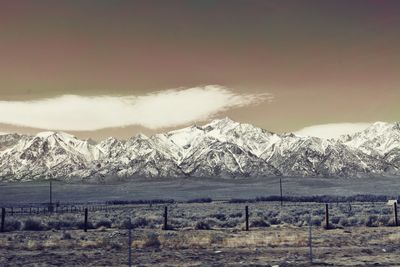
(332,130)
(156,110)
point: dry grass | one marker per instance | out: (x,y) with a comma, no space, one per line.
(97,243)
(393,238)
(34,245)
(219,238)
(269,245)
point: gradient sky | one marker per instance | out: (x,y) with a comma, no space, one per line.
(322,61)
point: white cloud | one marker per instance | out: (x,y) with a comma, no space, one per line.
(332,130)
(156,110)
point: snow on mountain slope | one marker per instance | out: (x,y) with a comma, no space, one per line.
(48,154)
(184,141)
(381,141)
(222,148)
(9,140)
(136,157)
(225,159)
(380,138)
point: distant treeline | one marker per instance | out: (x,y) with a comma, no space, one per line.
(318,198)
(200,200)
(157,201)
(152,201)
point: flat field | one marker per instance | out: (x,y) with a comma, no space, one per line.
(189,188)
(199,234)
(206,234)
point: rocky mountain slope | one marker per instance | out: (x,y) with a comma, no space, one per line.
(222,148)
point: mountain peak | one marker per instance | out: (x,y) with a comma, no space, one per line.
(379,128)
(141,136)
(221,147)
(48,134)
(222,123)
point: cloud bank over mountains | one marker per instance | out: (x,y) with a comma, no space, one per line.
(332,130)
(167,108)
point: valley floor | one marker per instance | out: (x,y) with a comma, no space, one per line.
(189,188)
(278,245)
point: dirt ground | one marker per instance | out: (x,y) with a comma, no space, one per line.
(272,246)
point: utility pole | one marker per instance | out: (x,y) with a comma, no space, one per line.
(51,193)
(130,243)
(51,208)
(310,238)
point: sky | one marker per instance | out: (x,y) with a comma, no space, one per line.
(99,68)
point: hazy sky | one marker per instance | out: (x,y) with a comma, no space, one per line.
(129,66)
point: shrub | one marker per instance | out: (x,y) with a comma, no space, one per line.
(259,223)
(353,221)
(151,240)
(300,223)
(318,212)
(176,222)
(140,222)
(60,224)
(202,226)
(12,225)
(391,222)
(287,218)
(335,219)
(126,224)
(372,221)
(81,225)
(230,223)
(66,236)
(271,213)
(384,220)
(33,225)
(219,216)
(236,215)
(316,221)
(212,222)
(115,245)
(275,221)
(103,223)
(344,222)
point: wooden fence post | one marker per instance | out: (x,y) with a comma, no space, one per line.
(3,218)
(247,218)
(395,214)
(165,218)
(326,216)
(280,187)
(86,219)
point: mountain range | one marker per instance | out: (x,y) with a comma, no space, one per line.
(222,148)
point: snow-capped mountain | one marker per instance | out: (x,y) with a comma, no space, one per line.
(48,154)
(222,148)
